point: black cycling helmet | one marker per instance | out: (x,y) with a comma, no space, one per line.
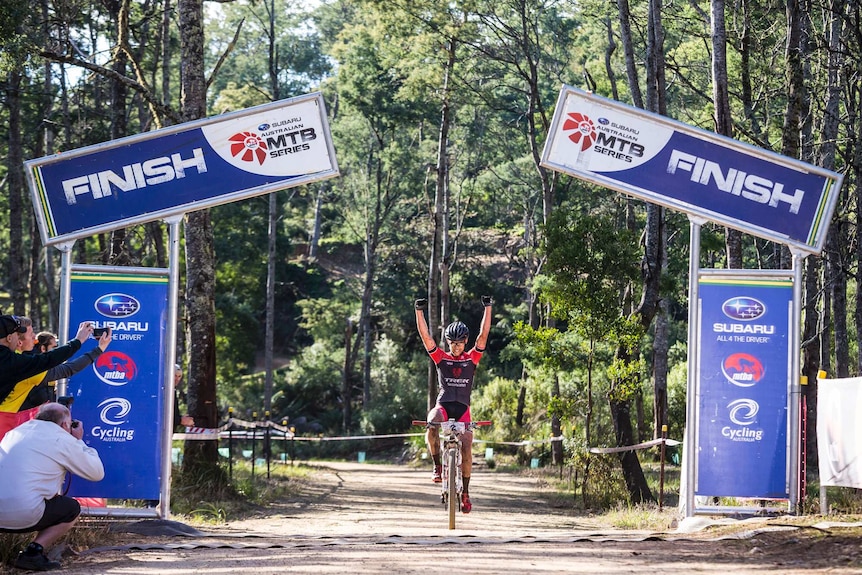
(457,331)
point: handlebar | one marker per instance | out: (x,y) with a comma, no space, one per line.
(471,425)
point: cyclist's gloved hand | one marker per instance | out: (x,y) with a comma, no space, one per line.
(487,301)
(421,304)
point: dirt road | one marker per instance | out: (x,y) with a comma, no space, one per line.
(368,518)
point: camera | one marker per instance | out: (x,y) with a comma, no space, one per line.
(99,332)
(75,424)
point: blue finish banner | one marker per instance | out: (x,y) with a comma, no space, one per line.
(742,386)
(182,168)
(119,400)
(669,163)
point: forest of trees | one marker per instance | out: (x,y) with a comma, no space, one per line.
(299,303)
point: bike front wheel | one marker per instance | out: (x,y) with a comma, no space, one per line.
(452,460)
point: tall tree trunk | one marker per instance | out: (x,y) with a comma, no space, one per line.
(200,256)
(836,278)
(723,118)
(441,191)
(790,146)
(14,163)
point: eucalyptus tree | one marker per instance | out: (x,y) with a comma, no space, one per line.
(378,132)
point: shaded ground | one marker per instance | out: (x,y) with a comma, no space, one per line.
(364,518)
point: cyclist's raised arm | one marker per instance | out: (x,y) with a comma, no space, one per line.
(422,325)
(485,329)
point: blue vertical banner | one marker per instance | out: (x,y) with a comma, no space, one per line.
(743,383)
(119,399)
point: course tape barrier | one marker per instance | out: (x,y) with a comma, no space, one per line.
(283,433)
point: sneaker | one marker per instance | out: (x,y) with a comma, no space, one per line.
(437,476)
(36,562)
(466,504)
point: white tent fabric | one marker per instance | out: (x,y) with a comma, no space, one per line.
(839,431)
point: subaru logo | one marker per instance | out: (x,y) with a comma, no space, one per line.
(117,305)
(263,128)
(604,121)
(743,308)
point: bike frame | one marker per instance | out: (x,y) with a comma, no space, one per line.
(450,456)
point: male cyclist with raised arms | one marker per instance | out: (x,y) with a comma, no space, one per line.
(455,371)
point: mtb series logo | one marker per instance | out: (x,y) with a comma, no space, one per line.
(582,130)
(613,139)
(248,147)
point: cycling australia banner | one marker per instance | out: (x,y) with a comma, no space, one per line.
(681,167)
(743,387)
(182,168)
(119,398)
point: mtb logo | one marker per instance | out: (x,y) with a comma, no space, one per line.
(584,130)
(115,368)
(742,369)
(248,146)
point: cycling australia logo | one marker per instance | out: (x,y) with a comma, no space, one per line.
(117,305)
(743,413)
(581,130)
(115,368)
(743,369)
(743,308)
(113,413)
(248,147)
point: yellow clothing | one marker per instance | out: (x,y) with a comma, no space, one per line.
(19,393)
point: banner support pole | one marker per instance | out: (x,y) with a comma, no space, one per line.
(795,387)
(65,297)
(170,359)
(689,443)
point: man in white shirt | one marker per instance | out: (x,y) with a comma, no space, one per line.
(34,460)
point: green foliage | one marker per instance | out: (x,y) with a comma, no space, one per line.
(399,390)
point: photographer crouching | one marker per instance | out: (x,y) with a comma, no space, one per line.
(34,460)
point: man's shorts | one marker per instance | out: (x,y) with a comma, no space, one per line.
(59,509)
(454,410)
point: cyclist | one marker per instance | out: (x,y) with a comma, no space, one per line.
(455,371)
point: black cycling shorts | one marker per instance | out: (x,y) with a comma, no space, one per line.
(59,509)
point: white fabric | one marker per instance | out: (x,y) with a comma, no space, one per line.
(839,432)
(34,458)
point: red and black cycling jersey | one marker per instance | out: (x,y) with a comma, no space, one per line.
(455,374)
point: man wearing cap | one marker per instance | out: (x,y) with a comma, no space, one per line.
(16,366)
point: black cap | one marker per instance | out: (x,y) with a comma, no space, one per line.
(10,324)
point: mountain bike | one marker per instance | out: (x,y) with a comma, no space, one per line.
(450,452)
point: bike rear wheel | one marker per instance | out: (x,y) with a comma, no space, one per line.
(452,460)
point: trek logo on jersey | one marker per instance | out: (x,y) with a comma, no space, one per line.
(743,308)
(742,369)
(115,368)
(117,305)
(134,176)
